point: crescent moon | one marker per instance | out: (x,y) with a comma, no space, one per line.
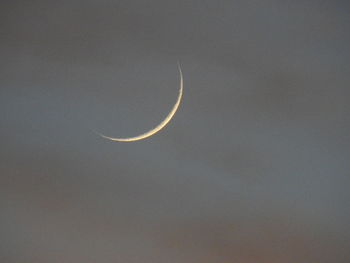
(160,125)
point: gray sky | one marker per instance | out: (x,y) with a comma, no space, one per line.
(253,167)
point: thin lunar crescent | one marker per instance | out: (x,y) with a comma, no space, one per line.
(159,126)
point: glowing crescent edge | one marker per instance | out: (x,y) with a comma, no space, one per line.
(159,126)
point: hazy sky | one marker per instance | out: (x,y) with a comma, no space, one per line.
(253,167)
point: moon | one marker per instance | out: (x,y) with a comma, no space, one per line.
(160,125)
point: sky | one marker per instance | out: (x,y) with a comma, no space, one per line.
(253,167)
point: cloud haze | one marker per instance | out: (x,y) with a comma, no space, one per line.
(253,167)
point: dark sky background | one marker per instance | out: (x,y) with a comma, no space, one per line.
(254,167)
